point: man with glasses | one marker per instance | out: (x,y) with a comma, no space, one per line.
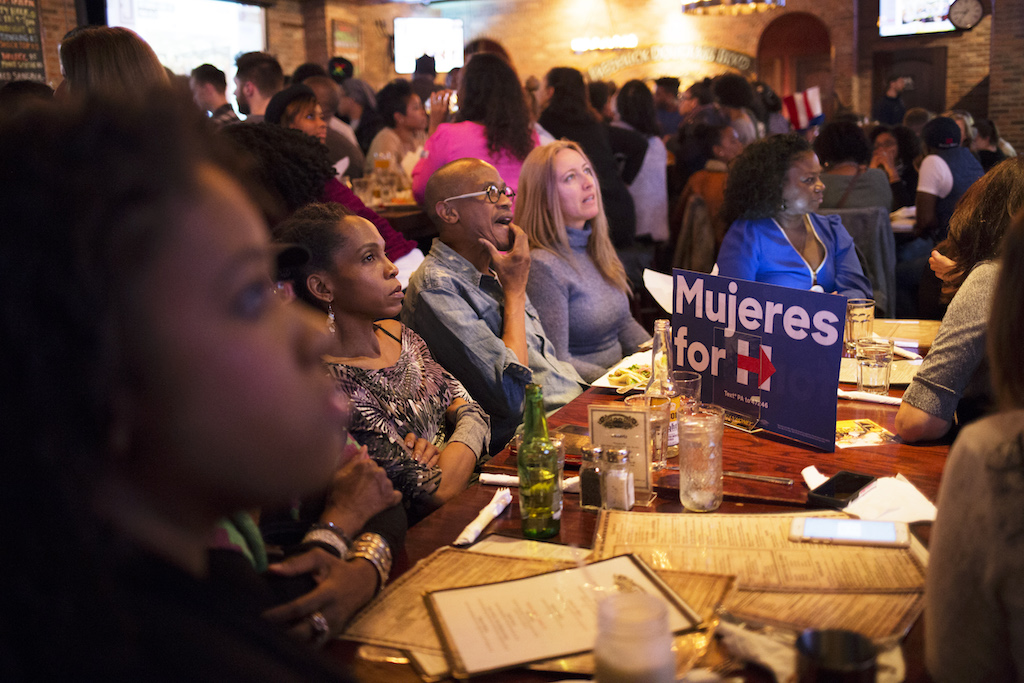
(468,299)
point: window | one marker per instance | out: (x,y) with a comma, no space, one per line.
(187,33)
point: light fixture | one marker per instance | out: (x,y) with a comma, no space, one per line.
(730,7)
(615,42)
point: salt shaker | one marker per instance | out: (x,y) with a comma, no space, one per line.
(617,481)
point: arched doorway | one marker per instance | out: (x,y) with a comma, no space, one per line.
(795,53)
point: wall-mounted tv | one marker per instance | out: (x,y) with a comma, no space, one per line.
(438,37)
(912,17)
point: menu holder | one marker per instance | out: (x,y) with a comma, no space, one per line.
(505,625)
(616,426)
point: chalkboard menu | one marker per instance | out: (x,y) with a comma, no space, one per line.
(21,51)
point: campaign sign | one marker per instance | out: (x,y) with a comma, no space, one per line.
(768,352)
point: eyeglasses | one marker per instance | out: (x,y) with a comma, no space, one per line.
(493,193)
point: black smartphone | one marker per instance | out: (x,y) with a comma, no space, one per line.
(840,490)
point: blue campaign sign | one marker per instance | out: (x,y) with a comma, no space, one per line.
(765,351)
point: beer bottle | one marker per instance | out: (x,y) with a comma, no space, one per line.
(540,480)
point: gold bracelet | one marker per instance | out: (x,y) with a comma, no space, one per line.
(375,550)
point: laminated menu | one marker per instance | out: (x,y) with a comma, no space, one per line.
(875,591)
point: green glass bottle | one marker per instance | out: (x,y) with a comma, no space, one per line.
(540,478)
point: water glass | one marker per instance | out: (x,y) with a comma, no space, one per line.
(364,189)
(687,389)
(658,410)
(860,320)
(874,364)
(700,458)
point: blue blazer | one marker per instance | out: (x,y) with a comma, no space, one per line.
(759,250)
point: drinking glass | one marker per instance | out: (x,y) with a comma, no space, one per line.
(700,458)
(874,364)
(860,320)
(835,656)
(687,389)
(658,410)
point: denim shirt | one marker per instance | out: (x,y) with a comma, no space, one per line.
(459,313)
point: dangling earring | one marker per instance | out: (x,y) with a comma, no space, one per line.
(330,320)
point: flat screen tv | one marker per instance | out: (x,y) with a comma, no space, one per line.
(912,17)
(438,37)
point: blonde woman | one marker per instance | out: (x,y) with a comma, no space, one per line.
(577,283)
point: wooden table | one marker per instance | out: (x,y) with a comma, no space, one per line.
(759,453)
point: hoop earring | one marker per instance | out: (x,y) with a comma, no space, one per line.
(331,327)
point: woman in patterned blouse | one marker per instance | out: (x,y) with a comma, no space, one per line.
(419,423)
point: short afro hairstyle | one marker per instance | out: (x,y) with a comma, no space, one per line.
(842,141)
(754,187)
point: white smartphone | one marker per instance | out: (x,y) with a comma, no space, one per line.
(849,532)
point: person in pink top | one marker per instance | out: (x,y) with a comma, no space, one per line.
(493,124)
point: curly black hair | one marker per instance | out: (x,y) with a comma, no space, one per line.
(841,141)
(908,145)
(756,178)
(490,94)
(290,167)
(733,90)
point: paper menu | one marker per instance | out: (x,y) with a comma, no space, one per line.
(503,625)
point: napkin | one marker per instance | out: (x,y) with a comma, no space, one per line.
(775,650)
(499,479)
(502,497)
(890,499)
(571,485)
(900,351)
(870,398)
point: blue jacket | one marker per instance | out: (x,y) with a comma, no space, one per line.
(759,250)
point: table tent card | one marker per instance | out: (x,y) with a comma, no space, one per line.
(766,352)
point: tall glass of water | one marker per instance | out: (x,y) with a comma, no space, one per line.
(860,320)
(700,458)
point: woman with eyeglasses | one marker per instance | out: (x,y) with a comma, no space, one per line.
(577,283)
(493,124)
(419,423)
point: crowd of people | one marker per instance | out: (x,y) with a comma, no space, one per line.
(231,385)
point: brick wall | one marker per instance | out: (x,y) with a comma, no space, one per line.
(57,17)
(537,33)
(1006,93)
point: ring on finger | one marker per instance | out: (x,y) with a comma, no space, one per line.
(321,629)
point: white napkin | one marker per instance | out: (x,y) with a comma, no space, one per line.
(893,499)
(890,499)
(870,398)
(900,351)
(775,650)
(499,479)
(502,497)
(571,485)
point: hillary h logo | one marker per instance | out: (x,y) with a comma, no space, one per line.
(758,364)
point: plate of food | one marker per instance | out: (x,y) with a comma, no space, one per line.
(631,373)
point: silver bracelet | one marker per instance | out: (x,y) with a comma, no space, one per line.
(327,537)
(375,550)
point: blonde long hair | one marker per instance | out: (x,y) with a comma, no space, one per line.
(539,214)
